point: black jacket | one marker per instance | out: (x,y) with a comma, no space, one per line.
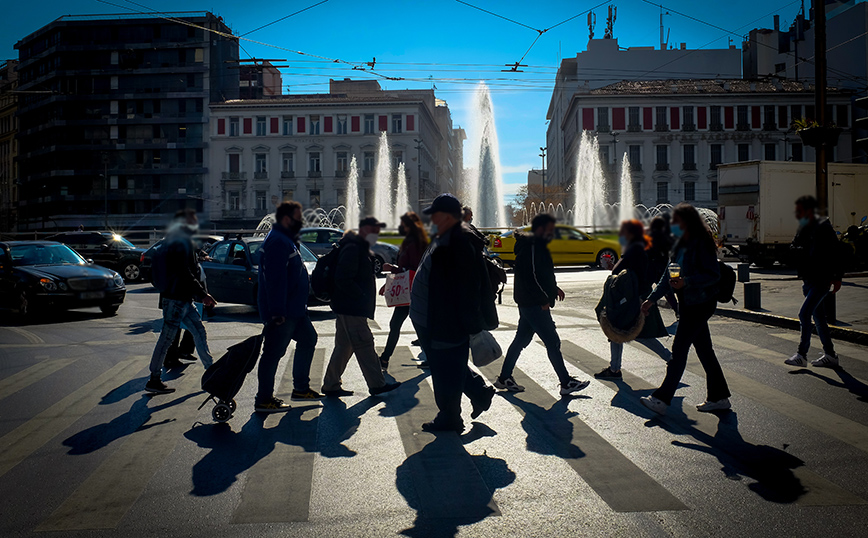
(815,251)
(355,287)
(535,283)
(454,310)
(182,273)
(634,258)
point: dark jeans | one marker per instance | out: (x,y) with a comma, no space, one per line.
(182,347)
(274,346)
(452,377)
(673,302)
(814,306)
(693,330)
(535,320)
(399,314)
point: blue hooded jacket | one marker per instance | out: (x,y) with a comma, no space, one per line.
(284,284)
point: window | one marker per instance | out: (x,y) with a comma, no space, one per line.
(662,157)
(233,126)
(287,125)
(689,156)
(342,124)
(260,125)
(687,113)
(368,161)
(341,161)
(182,131)
(260,161)
(779,68)
(221,253)
(842,116)
(637,192)
(634,154)
(261,201)
(743,152)
(662,192)
(771,152)
(662,124)
(743,123)
(314,199)
(369,124)
(716,124)
(397,159)
(604,155)
(397,123)
(714,190)
(313,161)
(769,120)
(795,112)
(314,125)
(233,200)
(603,119)
(689,191)
(287,195)
(716,155)
(798,153)
(287,164)
(633,125)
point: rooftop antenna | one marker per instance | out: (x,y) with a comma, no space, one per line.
(662,40)
(610,22)
(592,22)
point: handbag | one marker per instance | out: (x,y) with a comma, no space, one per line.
(397,289)
(484,349)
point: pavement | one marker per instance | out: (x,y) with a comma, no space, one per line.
(84,452)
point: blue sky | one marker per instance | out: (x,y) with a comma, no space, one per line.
(426,40)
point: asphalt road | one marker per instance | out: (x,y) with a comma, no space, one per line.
(83,452)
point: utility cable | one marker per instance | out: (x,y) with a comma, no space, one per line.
(284,18)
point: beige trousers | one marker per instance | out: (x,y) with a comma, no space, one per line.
(353,335)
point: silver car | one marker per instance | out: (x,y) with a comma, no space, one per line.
(322,240)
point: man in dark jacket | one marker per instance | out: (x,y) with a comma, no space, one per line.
(354,301)
(820,269)
(182,288)
(283,293)
(536,291)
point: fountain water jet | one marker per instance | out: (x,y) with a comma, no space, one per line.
(590,209)
(485,182)
(353,208)
(402,196)
(383,190)
(626,210)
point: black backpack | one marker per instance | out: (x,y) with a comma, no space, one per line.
(726,285)
(322,279)
(160,267)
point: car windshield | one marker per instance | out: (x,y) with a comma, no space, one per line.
(44,255)
(306,254)
(253,246)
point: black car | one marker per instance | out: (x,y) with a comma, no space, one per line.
(233,274)
(36,276)
(202,242)
(106,249)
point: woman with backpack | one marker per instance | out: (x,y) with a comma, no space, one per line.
(414,245)
(635,249)
(694,275)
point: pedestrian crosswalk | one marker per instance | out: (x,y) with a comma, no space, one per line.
(367,457)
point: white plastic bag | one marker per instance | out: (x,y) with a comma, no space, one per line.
(484,349)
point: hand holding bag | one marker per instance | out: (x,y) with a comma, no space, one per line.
(484,349)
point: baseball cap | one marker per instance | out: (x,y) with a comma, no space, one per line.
(446,202)
(371,221)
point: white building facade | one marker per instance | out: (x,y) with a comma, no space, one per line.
(676,132)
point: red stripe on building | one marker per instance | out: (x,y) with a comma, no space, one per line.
(648,118)
(674,118)
(619,121)
(384,123)
(275,125)
(588,119)
(756,117)
(701,118)
(355,124)
(327,124)
(299,125)
(221,126)
(248,125)
(411,122)
(728,117)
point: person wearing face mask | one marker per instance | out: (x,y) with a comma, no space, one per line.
(183,287)
(696,254)
(283,293)
(353,301)
(635,246)
(536,292)
(658,255)
(814,252)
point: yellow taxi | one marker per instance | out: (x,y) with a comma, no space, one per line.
(570,246)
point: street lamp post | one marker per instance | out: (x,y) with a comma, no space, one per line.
(418,142)
(542,154)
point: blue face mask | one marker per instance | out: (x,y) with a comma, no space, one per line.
(622,240)
(433,229)
(677,232)
(804,222)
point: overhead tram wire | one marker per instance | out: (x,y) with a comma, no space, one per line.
(283,18)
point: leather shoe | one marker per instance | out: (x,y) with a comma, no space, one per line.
(482,404)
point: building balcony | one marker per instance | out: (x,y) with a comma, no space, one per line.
(340,173)
(287,174)
(662,167)
(232,213)
(661,127)
(770,126)
(713,166)
(715,127)
(742,127)
(688,127)
(634,128)
(314,174)
(637,167)
(260,175)
(367,173)
(688,166)
(234,175)
(604,129)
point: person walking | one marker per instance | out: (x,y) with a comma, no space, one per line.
(446,309)
(694,276)
(815,256)
(536,292)
(412,247)
(635,246)
(658,255)
(182,348)
(183,287)
(283,292)
(354,301)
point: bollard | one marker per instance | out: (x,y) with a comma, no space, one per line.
(752,296)
(830,305)
(743,272)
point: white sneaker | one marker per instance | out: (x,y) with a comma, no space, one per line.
(654,404)
(573,385)
(797,360)
(719,405)
(826,361)
(508,384)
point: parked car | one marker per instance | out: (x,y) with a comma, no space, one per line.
(202,242)
(322,240)
(570,246)
(39,275)
(106,249)
(232,275)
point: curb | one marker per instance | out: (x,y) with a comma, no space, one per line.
(838,333)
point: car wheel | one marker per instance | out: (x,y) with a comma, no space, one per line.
(606,252)
(109,309)
(499,262)
(131,272)
(378,265)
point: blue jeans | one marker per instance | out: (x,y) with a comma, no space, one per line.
(535,320)
(174,313)
(274,346)
(815,295)
(651,343)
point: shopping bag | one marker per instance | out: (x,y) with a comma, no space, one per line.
(398,288)
(484,349)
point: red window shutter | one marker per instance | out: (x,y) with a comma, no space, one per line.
(327,124)
(248,125)
(648,118)
(619,119)
(588,119)
(384,123)
(728,118)
(221,126)
(355,124)
(674,118)
(411,122)
(299,125)
(702,118)
(755,117)
(782,118)
(275,125)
